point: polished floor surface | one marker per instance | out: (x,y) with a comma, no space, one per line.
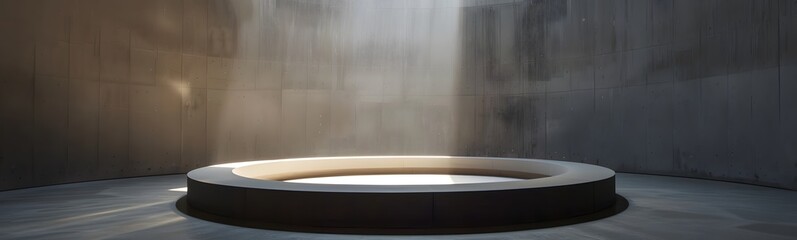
(143,208)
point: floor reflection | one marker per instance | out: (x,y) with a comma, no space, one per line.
(403,179)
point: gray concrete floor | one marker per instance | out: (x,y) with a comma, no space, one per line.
(143,208)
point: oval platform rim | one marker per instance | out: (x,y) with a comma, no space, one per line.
(572,173)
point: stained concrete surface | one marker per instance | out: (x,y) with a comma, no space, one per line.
(98,89)
(144,208)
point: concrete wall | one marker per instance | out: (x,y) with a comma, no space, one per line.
(676,87)
(96,89)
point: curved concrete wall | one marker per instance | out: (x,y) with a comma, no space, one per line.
(95,89)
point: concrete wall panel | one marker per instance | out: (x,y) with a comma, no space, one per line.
(788,72)
(114,129)
(142,66)
(608,127)
(318,123)
(686,126)
(114,54)
(534,130)
(193,124)
(557,126)
(610,26)
(52,58)
(294,122)
(195,70)
(229,125)
(83,25)
(582,106)
(343,122)
(632,111)
(660,128)
(50,136)
(766,122)
(195,31)
(84,61)
(368,121)
(268,143)
(145,134)
(740,128)
(639,30)
(16,112)
(714,126)
(84,107)
(609,70)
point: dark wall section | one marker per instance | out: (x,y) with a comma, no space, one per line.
(688,88)
(95,89)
